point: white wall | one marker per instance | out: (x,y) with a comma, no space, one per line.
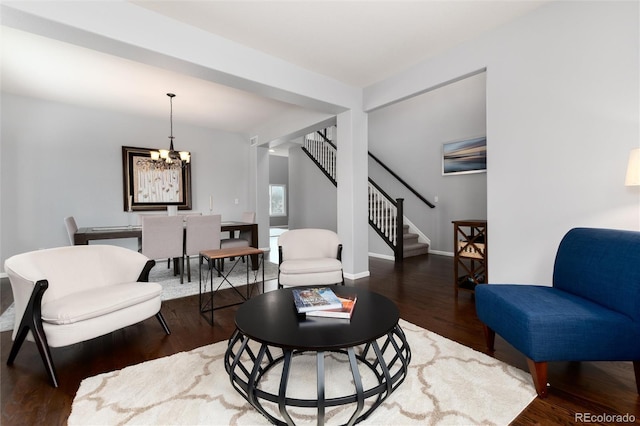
(408,137)
(562,116)
(59,160)
(312,196)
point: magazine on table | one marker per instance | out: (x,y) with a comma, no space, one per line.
(348,304)
(314,299)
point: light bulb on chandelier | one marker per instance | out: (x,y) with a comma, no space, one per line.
(170,158)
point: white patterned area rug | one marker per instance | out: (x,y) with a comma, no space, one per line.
(171,287)
(447,384)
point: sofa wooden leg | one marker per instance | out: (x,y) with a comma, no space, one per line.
(489,337)
(43,347)
(636,368)
(17,344)
(539,374)
(32,321)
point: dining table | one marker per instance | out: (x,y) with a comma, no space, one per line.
(86,234)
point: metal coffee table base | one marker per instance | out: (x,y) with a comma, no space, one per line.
(388,358)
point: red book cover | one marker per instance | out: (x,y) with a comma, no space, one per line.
(348,305)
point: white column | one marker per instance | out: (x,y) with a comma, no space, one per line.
(260,192)
(352,172)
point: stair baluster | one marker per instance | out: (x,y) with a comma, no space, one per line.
(385,214)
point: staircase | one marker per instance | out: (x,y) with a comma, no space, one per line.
(385,214)
(412,247)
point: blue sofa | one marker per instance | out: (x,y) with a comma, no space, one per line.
(591,313)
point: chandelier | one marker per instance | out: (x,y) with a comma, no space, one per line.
(170,158)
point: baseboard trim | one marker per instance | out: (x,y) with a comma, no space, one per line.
(442,253)
(389,257)
(382,256)
(358,276)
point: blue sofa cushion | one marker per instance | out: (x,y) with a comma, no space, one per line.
(549,324)
(602,265)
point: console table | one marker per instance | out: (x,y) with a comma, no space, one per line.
(211,256)
(269,333)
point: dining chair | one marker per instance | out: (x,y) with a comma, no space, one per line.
(141,217)
(186,215)
(182,215)
(202,233)
(244,237)
(72,227)
(163,238)
(184,220)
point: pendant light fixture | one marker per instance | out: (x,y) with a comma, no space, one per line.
(170,158)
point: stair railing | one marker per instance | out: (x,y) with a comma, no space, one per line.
(323,152)
(409,187)
(386,217)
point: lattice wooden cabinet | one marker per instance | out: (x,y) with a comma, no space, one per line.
(470,254)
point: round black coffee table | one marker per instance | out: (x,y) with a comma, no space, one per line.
(270,332)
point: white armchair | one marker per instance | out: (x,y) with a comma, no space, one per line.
(71,294)
(309,257)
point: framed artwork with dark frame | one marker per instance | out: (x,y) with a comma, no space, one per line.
(465,156)
(153,185)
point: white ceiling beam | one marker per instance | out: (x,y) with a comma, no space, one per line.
(129,31)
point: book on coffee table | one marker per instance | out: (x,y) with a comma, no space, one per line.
(345,311)
(314,299)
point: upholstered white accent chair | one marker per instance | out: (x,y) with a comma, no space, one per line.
(309,257)
(163,238)
(202,233)
(67,295)
(72,228)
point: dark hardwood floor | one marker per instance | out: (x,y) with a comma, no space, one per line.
(422,289)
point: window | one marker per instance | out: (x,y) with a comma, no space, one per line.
(277,200)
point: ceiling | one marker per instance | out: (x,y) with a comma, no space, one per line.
(356,42)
